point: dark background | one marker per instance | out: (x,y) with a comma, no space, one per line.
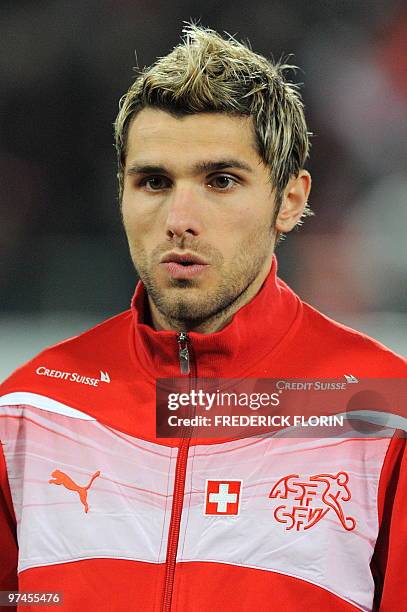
(64,66)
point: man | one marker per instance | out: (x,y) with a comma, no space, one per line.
(211,145)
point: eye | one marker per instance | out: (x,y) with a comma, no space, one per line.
(155,183)
(224,182)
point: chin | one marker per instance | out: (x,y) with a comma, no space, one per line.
(182,308)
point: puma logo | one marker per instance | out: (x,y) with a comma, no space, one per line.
(60,478)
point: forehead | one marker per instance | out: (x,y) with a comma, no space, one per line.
(158,133)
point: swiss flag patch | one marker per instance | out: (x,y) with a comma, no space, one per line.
(222,497)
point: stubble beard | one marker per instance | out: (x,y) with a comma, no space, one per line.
(184,304)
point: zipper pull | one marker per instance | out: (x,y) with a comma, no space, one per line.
(183,353)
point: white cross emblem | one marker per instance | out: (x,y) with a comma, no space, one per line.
(223,498)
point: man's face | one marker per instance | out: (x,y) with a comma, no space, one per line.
(196,187)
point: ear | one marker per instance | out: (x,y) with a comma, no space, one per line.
(295,198)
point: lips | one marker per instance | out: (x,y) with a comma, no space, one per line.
(183,259)
(183,265)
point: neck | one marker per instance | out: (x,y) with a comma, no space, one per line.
(216,322)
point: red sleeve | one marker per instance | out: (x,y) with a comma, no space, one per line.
(8,537)
(389,564)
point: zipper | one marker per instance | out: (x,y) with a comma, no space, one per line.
(173,535)
(179,485)
(183,353)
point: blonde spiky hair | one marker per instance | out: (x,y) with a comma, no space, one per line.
(209,73)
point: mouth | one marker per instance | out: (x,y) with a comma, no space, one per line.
(183,265)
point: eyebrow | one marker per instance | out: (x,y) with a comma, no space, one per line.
(198,168)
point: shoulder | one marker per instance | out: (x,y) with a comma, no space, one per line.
(330,340)
(87,355)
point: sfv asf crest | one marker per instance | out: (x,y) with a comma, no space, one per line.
(308,500)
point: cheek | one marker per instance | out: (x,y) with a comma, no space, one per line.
(137,223)
(143,234)
(242,226)
(247,239)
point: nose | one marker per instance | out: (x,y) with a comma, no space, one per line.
(184,213)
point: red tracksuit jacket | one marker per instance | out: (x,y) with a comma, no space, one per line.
(93,505)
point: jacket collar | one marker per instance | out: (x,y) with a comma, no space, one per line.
(254,331)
